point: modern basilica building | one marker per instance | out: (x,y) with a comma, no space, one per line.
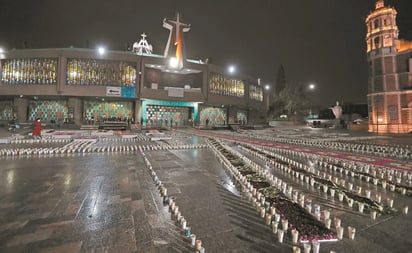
(74,85)
(390,73)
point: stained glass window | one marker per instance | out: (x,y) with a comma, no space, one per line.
(6,110)
(102,110)
(48,110)
(219,84)
(100,72)
(255,93)
(29,71)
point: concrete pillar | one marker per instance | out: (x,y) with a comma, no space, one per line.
(75,110)
(231,115)
(21,109)
(138,111)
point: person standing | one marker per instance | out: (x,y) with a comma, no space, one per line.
(37,129)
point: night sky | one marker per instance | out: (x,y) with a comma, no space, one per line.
(317,41)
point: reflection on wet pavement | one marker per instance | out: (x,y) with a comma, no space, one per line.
(107,202)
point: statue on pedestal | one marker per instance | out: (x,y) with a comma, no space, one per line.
(337,111)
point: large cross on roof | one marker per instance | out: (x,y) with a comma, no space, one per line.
(176,50)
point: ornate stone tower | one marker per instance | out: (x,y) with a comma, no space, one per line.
(389,73)
(382,29)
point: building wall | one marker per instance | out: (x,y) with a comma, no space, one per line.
(75,94)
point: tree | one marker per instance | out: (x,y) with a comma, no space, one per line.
(280,80)
(291,100)
(276,105)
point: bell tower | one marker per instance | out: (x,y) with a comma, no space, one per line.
(389,73)
(382,31)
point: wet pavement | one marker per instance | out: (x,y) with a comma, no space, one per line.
(107,202)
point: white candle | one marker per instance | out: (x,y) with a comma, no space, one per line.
(275,227)
(198,244)
(306,248)
(328,223)
(268,219)
(351,232)
(405,210)
(285,224)
(337,222)
(390,202)
(295,236)
(280,236)
(315,247)
(373,215)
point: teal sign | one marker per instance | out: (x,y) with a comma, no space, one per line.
(128,92)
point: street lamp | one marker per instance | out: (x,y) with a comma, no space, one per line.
(173,62)
(101,50)
(312,86)
(267,88)
(232,69)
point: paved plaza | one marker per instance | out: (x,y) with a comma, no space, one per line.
(97,194)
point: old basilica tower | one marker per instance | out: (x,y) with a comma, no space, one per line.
(390,73)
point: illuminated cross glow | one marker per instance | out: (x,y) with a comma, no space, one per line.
(177,28)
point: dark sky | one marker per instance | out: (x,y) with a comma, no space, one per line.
(317,41)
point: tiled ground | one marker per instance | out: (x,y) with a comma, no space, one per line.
(102,202)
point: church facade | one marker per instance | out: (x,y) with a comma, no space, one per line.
(390,73)
(73,85)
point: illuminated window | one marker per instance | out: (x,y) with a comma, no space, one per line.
(29,71)
(221,85)
(99,72)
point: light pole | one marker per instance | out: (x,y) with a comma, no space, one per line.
(267,89)
(311,88)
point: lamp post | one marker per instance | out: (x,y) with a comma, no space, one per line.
(311,88)
(267,89)
(140,88)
